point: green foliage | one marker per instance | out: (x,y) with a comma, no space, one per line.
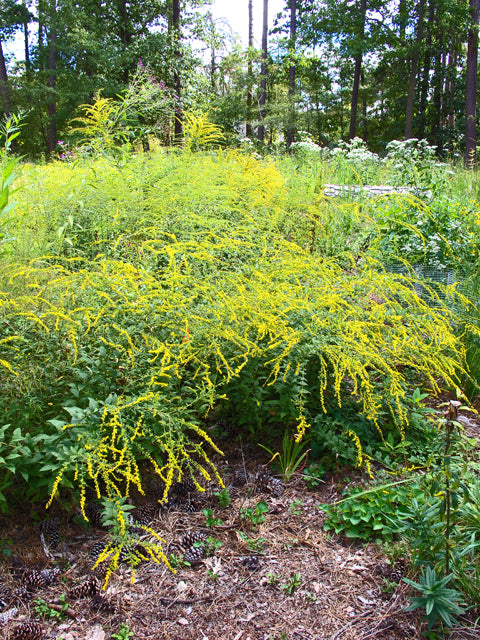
(5,547)
(44,610)
(371,513)
(272,578)
(436,513)
(108,124)
(257,545)
(292,585)
(223,497)
(439,235)
(115,514)
(100,362)
(355,164)
(295,507)
(171,291)
(9,131)
(291,457)
(210,520)
(313,475)
(123,633)
(256,515)
(99,124)
(414,162)
(210,545)
(438,600)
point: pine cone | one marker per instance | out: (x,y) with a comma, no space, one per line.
(194,554)
(228,427)
(33,579)
(100,603)
(156,487)
(262,475)
(251,562)
(261,479)
(384,569)
(89,587)
(28,631)
(145,514)
(7,615)
(49,575)
(51,532)
(206,497)
(275,486)
(22,593)
(240,478)
(93,511)
(191,537)
(174,549)
(5,596)
(125,552)
(176,503)
(397,573)
(96,550)
(184,487)
(188,506)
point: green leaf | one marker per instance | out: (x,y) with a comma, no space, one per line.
(58,424)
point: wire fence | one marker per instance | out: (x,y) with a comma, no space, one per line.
(428,280)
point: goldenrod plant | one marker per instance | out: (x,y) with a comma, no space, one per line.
(99,125)
(179,293)
(9,131)
(200,132)
(110,123)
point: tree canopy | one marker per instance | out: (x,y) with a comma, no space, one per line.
(336,69)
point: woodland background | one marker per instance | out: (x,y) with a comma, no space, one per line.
(335,69)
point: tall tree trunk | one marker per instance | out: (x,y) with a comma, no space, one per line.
(357,71)
(26,47)
(4,87)
(438,82)
(41,33)
(263,72)
(249,129)
(414,70)
(177,76)
(427,65)
(213,66)
(364,109)
(292,71)
(124,33)
(123,30)
(52,78)
(342,116)
(450,86)
(471,89)
(403,18)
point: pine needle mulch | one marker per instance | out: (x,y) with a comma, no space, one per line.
(284,578)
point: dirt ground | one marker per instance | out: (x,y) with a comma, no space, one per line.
(284,578)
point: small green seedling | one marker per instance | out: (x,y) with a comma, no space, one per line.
(256,515)
(211,521)
(294,582)
(123,633)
